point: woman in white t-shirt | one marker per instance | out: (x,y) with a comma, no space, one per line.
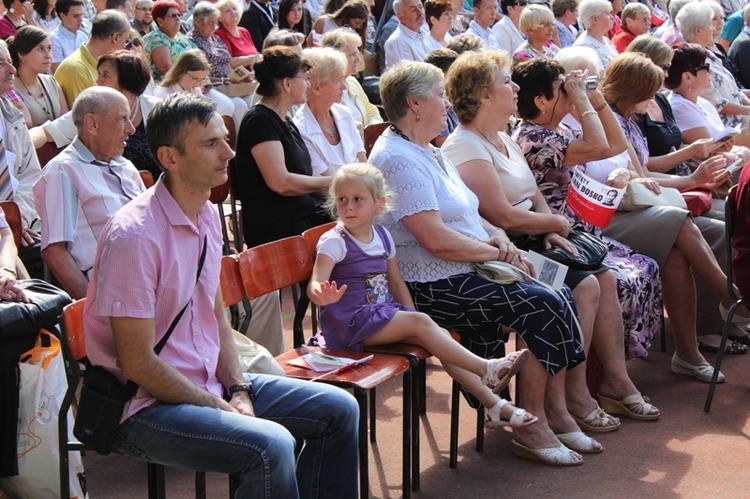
(688,77)
(328,128)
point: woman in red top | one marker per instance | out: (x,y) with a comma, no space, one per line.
(236,38)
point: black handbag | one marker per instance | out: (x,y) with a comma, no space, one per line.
(103,396)
(21,320)
(591,249)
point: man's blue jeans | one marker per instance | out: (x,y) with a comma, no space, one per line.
(261,449)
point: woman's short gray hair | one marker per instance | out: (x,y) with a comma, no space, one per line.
(407,79)
(324,63)
(633,9)
(590,8)
(533,16)
(203,11)
(693,15)
(580,58)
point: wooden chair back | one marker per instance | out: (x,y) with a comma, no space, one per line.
(72,324)
(311,236)
(372,132)
(45,153)
(13,217)
(147,178)
(275,265)
(232,290)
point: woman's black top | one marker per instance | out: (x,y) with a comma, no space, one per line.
(266,215)
(139,154)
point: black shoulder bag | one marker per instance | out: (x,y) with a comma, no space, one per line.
(103,397)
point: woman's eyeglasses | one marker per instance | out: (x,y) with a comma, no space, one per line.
(666,67)
(701,68)
(133,42)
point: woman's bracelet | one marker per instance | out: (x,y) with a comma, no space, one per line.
(599,108)
(489,232)
(586,113)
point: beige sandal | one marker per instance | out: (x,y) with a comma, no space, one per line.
(597,421)
(633,406)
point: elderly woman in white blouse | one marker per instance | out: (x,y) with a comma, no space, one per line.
(348,41)
(596,16)
(328,129)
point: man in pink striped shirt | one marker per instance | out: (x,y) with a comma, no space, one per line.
(194,408)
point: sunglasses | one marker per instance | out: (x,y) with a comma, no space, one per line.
(133,42)
(701,68)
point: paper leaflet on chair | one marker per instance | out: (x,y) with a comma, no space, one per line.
(320,362)
(592,201)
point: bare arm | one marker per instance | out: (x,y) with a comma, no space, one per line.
(699,149)
(480,176)
(443,242)
(134,342)
(63,104)
(270,159)
(9,291)
(228,370)
(61,263)
(162,59)
(396,284)
(320,290)
(602,134)
(246,60)
(697,133)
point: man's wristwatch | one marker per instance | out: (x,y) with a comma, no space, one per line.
(242,387)
(10,270)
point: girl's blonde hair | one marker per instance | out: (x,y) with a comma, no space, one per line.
(366,173)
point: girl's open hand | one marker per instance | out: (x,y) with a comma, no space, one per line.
(328,292)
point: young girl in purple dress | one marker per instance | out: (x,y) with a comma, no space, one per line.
(364,301)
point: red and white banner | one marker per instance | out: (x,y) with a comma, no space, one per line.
(592,201)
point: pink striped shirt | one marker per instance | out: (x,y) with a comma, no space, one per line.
(145,267)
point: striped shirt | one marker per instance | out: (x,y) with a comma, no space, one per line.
(78,194)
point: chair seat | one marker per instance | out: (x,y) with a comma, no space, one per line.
(400,349)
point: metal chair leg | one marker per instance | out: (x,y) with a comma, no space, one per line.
(373,419)
(406,455)
(364,479)
(453,462)
(720,355)
(200,485)
(156,489)
(480,428)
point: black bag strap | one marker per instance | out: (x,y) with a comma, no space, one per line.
(163,341)
(130,385)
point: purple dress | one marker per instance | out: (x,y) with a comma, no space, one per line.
(366,306)
(638,278)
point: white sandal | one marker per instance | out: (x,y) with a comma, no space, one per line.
(517,419)
(491,378)
(579,442)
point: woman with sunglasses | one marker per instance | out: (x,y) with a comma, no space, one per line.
(695,22)
(164,45)
(689,78)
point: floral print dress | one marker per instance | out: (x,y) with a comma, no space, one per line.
(638,278)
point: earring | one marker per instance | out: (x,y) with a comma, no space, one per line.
(418,118)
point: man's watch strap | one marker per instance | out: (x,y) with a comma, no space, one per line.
(242,387)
